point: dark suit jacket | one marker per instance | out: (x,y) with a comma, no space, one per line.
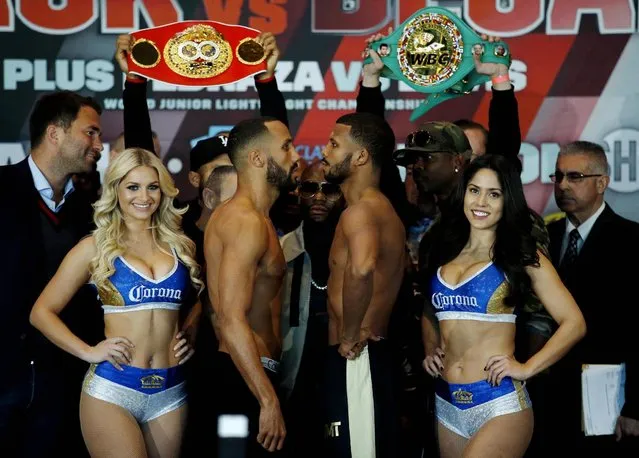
(602,281)
(23,273)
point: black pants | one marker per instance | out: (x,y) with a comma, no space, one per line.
(303,412)
(233,396)
(337,442)
(564,436)
(39,411)
(201,426)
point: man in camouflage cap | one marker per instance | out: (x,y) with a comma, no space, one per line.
(438,152)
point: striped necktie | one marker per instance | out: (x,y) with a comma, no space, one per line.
(571,253)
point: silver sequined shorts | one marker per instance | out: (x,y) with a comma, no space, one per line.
(146,393)
(464,408)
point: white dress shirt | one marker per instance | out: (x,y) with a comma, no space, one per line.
(44,188)
(584,229)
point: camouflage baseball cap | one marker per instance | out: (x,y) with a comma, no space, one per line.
(433,137)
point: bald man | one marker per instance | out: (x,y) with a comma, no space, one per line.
(304,321)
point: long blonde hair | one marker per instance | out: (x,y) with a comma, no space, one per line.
(109,220)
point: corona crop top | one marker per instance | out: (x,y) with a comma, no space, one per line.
(480,297)
(136,291)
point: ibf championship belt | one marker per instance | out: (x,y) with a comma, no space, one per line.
(432,52)
(196,53)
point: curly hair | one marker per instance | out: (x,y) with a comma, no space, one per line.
(109,220)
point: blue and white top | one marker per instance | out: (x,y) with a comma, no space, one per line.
(135,291)
(479,298)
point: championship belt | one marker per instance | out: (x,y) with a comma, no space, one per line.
(432,52)
(196,53)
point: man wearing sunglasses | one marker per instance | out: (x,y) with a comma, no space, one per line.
(438,153)
(503,136)
(367,260)
(589,248)
(304,322)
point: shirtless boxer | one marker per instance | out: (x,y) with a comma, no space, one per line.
(245,268)
(366,269)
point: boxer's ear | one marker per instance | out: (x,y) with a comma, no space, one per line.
(361,157)
(208,197)
(257,158)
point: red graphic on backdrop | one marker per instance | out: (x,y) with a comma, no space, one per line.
(195,53)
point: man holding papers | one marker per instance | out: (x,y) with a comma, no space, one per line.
(595,389)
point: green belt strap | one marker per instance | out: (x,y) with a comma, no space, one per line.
(432,52)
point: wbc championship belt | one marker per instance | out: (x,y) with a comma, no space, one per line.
(196,53)
(432,52)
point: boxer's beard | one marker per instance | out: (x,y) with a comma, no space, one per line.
(276,175)
(340,172)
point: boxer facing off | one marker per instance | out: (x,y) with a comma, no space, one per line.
(366,269)
(245,268)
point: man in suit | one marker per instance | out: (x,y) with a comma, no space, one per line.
(592,248)
(43,217)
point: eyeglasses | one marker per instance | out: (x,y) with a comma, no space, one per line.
(419,138)
(308,190)
(573,177)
